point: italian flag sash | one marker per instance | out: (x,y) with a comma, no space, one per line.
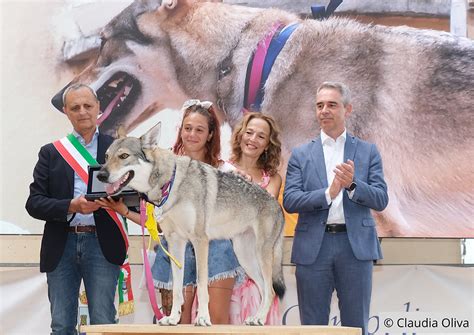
(79,159)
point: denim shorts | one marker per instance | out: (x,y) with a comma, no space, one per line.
(222,264)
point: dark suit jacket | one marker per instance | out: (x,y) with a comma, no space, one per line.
(305,184)
(50,195)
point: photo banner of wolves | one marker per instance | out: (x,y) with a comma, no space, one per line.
(412,92)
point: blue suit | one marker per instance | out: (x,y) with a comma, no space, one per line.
(320,266)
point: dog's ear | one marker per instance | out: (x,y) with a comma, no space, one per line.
(150,139)
(121,132)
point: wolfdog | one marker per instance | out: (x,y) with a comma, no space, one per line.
(413,92)
(203,203)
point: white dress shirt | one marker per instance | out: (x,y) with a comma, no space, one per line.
(333,155)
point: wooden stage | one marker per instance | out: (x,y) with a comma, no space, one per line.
(120,329)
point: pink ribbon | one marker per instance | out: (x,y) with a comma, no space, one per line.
(149,279)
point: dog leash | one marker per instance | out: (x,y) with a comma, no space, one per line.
(147,217)
(149,279)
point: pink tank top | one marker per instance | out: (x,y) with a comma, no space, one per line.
(265,179)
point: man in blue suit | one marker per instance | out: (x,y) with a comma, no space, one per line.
(333,182)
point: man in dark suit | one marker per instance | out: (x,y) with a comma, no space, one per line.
(333,182)
(80,241)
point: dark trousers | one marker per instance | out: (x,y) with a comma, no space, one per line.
(335,268)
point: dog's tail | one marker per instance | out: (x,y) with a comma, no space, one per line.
(277,274)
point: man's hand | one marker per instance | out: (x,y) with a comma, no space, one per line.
(81,205)
(344,173)
(335,188)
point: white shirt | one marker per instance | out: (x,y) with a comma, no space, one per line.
(333,155)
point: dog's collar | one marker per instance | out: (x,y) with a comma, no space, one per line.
(165,191)
(261,63)
(166,188)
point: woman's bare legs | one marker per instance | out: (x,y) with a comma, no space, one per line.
(220,292)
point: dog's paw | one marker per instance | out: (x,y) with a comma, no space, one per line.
(202,321)
(168,321)
(254,321)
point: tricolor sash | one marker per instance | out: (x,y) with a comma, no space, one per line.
(79,159)
(126,304)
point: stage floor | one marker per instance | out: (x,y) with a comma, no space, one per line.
(217,329)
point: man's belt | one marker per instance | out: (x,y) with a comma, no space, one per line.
(81,229)
(335,228)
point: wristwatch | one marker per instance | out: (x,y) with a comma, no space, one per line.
(351,187)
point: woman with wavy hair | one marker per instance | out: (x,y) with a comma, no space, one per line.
(256,154)
(256,151)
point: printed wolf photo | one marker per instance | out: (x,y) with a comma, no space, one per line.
(413,92)
(203,204)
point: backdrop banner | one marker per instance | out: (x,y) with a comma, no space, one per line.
(438,291)
(147,61)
